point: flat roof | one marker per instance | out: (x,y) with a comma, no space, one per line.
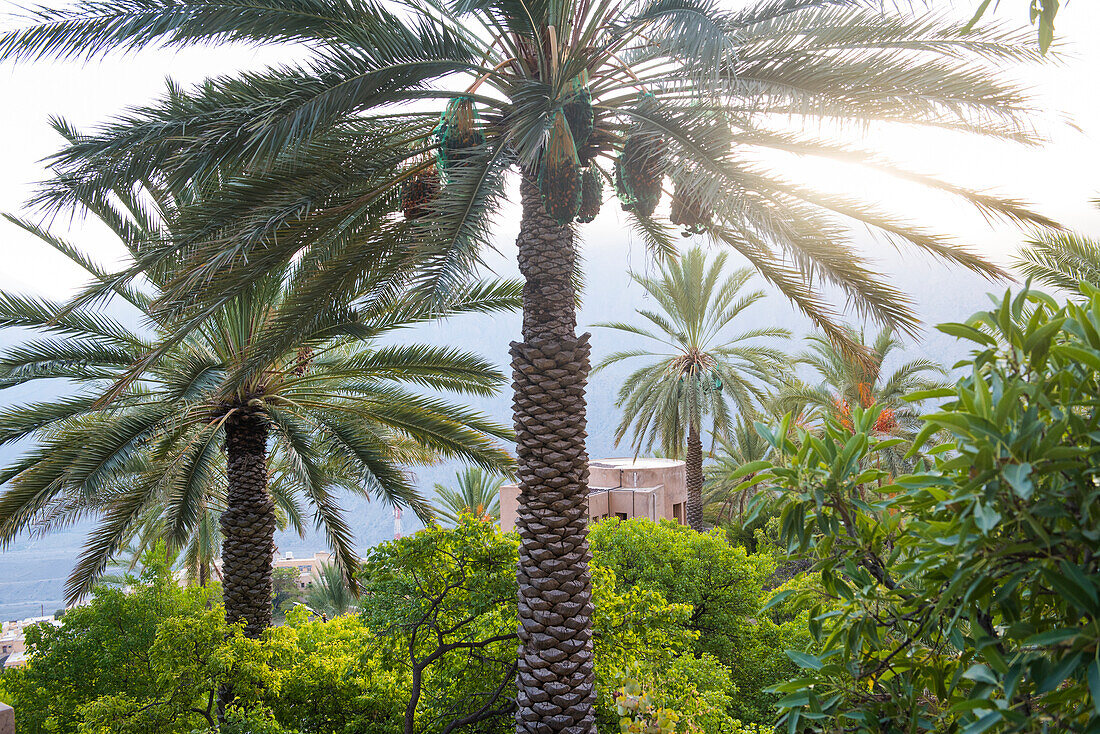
(596,490)
(641,462)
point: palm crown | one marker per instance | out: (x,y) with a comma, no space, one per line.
(667,88)
(848,383)
(475,492)
(332,596)
(701,367)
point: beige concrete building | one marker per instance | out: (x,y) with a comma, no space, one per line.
(655,489)
(309,569)
(13,650)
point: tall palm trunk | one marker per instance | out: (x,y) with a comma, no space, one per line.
(694,478)
(555,679)
(248,524)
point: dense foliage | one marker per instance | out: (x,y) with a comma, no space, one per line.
(963,598)
(722,585)
(431,650)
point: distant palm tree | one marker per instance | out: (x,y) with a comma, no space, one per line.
(862,380)
(197,557)
(475,492)
(328,413)
(1062,260)
(331,596)
(700,369)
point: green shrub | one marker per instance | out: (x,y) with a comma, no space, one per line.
(441,602)
(724,587)
(333,680)
(103,651)
(966,596)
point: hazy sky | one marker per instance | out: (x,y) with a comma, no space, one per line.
(1058,179)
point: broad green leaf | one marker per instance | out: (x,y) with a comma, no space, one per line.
(965,331)
(1019,478)
(777,599)
(1051,637)
(804,660)
(984,723)
(981,673)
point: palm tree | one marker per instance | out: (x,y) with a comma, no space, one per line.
(332,596)
(681,91)
(475,492)
(700,368)
(848,381)
(329,414)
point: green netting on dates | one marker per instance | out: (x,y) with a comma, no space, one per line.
(639,172)
(458,131)
(578,110)
(591,195)
(560,173)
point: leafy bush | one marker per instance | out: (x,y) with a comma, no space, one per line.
(433,646)
(443,603)
(333,681)
(724,587)
(965,597)
(152,659)
(102,663)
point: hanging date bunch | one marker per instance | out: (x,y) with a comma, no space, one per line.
(591,195)
(640,167)
(687,210)
(419,191)
(458,131)
(639,171)
(560,172)
(303,360)
(578,110)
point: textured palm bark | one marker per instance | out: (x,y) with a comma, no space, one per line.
(555,678)
(248,524)
(694,478)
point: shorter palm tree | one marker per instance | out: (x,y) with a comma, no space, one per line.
(699,369)
(246,402)
(849,380)
(331,595)
(476,492)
